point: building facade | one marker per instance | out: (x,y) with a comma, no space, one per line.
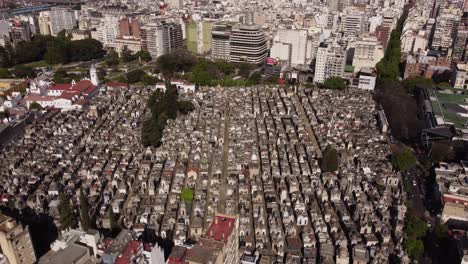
(248,44)
(61,18)
(15,242)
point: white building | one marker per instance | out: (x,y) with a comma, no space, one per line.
(281,51)
(330,62)
(353,24)
(61,18)
(367,53)
(161,38)
(297,39)
(367,79)
(108,30)
(221,42)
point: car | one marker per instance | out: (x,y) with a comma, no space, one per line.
(414,183)
(429,224)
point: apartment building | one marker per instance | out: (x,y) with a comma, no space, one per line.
(15,242)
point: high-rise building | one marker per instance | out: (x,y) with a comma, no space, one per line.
(248,44)
(352,24)
(281,51)
(172,37)
(161,38)
(19,31)
(15,242)
(221,42)
(330,62)
(383,35)
(459,45)
(199,37)
(61,18)
(44,23)
(297,39)
(108,30)
(445,31)
(367,53)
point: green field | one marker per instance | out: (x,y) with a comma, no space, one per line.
(448,116)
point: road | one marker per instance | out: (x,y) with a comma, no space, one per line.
(222,195)
(307,125)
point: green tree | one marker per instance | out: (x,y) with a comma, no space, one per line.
(388,69)
(335,82)
(244,69)
(414,247)
(225,66)
(67,218)
(35,106)
(85,50)
(177,61)
(6,56)
(329,160)
(185,106)
(135,76)
(22,71)
(412,82)
(57,52)
(415,227)
(84,211)
(144,55)
(254,79)
(127,55)
(112,58)
(200,76)
(61,76)
(4,73)
(149,80)
(187,195)
(403,158)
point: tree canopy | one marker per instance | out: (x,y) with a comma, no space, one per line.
(35,106)
(67,218)
(403,158)
(22,71)
(335,82)
(187,195)
(84,211)
(415,229)
(163,106)
(177,61)
(53,50)
(329,160)
(135,76)
(388,69)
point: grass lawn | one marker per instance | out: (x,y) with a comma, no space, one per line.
(37,64)
(449,117)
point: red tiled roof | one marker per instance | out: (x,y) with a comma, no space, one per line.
(131,250)
(67,95)
(221,228)
(79,87)
(61,86)
(33,97)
